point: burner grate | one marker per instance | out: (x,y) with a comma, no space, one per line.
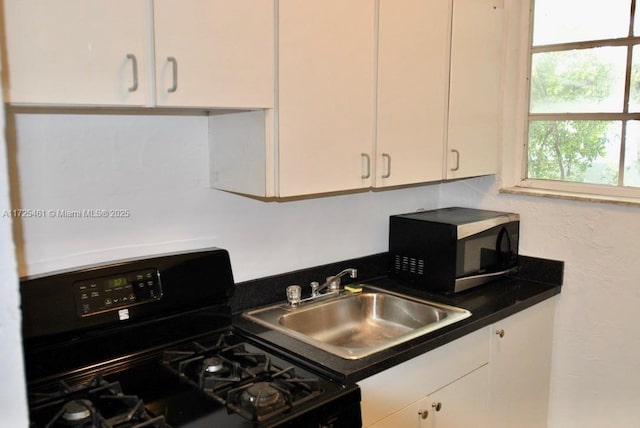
(277,393)
(245,382)
(95,404)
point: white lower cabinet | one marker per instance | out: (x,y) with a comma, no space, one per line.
(391,391)
(462,403)
(521,368)
(495,377)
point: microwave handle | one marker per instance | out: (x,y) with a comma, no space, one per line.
(503,233)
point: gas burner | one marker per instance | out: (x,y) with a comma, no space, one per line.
(275,392)
(217,365)
(259,401)
(95,404)
(77,412)
(214,365)
(261,396)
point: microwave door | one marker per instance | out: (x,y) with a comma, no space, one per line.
(495,261)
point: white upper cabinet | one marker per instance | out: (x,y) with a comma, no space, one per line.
(76,52)
(475,100)
(208,53)
(439,89)
(370,93)
(413,73)
(325,95)
(319,138)
(214,53)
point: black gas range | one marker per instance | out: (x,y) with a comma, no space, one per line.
(149,343)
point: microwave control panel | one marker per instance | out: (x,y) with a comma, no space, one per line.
(98,295)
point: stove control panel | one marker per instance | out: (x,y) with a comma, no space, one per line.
(98,295)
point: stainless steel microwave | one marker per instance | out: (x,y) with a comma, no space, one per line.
(453,249)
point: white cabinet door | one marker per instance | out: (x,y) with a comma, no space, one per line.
(520,368)
(214,53)
(391,390)
(408,417)
(460,404)
(413,74)
(326,95)
(79,52)
(475,88)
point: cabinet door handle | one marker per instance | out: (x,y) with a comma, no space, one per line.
(424,414)
(500,332)
(437,405)
(457,153)
(134,65)
(368,173)
(174,66)
(388,169)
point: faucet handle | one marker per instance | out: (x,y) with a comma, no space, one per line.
(294,293)
(314,288)
(333,283)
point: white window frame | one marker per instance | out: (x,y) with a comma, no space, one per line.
(517,72)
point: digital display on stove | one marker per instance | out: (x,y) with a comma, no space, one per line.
(105,294)
(117,282)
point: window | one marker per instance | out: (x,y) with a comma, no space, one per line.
(584,97)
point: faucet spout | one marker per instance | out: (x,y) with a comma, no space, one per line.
(332,283)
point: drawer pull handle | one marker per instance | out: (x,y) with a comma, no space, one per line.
(424,414)
(437,406)
(500,332)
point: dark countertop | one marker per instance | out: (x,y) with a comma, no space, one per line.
(537,280)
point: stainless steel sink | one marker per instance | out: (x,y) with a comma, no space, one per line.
(353,326)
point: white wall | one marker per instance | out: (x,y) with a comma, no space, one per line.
(157,168)
(13,399)
(596,366)
(595,379)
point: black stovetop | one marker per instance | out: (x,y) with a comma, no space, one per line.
(172,388)
(149,343)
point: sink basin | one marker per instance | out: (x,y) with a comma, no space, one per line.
(353,326)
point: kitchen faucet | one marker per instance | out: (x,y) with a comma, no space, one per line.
(331,284)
